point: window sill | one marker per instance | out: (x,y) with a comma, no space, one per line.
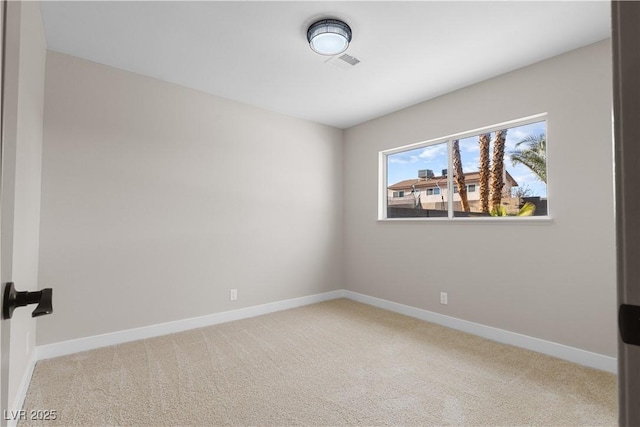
(543,220)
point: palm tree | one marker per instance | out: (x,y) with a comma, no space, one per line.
(533,156)
(484,141)
(459,175)
(497,170)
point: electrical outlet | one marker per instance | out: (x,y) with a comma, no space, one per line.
(444,298)
(233,294)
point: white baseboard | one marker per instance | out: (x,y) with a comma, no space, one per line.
(89,343)
(561,351)
(22,390)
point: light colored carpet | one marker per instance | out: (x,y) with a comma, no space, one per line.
(333,363)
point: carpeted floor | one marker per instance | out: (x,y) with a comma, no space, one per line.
(333,363)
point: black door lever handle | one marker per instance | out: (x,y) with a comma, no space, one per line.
(45,304)
(13,299)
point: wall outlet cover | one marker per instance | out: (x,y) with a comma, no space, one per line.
(444,298)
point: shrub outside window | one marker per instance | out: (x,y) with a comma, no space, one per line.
(499,171)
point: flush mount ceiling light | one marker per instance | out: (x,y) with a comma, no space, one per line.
(329,36)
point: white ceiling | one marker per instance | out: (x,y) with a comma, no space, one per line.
(257,53)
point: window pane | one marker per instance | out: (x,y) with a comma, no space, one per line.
(501,185)
(498,173)
(421,174)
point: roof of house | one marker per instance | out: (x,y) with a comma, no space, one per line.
(421,183)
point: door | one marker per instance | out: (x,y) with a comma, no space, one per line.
(626,104)
(8,130)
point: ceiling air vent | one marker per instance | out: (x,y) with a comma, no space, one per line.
(344,62)
(351,60)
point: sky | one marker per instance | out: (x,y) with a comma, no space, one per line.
(405,165)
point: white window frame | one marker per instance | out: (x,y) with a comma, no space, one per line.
(383,184)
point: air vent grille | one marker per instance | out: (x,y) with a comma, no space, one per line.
(351,60)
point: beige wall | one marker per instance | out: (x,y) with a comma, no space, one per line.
(27,194)
(142,220)
(553,281)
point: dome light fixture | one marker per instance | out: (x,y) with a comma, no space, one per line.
(329,36)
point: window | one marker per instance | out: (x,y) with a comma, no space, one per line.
(470,188)
(398,194)
(502,171)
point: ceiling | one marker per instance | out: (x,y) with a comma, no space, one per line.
(257,53)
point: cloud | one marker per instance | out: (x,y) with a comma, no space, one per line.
(470,167)
(471,148)
(433,151)
(470,144)
(517,134)
(526,178)
(403,159)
